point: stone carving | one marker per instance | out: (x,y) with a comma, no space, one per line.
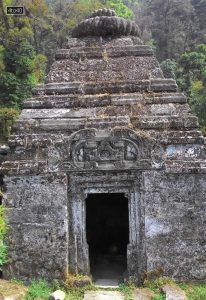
(103,12)
(103,22)
(118,149)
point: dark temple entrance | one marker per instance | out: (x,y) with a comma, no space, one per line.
(107,228)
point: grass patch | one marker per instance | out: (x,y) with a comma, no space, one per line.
(159,297)
(74,294)
(127,291)
(38,290)
(156,284)
(16,281)
(194,292)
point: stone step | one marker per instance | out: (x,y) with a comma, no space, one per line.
(35,167)
(54,113)
(185,167)
(162,110)
(173,292)
(165,122)
(70,124)
(68,101)
(32,142)
(183,137)
(143,294)
(157,85)
(11,291)
(160,98)
(24,167)
(185,151)
(75,101)
(91,52)
(103,295)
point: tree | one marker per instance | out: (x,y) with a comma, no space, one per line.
(172,24)
(200,9)
(190,73)
(193,73)
(19,62)
(120,8)
(79,10)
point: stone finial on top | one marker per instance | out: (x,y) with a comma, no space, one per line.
(103,12)
(104,22)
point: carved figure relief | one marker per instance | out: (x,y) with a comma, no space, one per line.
(117,149)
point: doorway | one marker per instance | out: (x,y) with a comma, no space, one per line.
(107,231)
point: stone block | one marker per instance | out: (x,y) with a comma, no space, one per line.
(12,291)
(67,101)
(173,292)
(103,295)
(159,98)
(61,113)
(57,295)
(167,85)
(164,123)
(86,52)
(143,294)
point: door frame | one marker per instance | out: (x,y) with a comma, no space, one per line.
(79,186)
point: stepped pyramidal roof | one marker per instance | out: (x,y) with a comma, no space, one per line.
(105,78)
(106,121)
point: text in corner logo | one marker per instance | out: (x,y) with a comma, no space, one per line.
(15,10)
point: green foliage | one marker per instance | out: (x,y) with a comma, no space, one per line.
(14,89)
(156,284)
(3,230)
(192,74)
(7,118)
(169,68)
(3,226)
(172,24)
(197,293)
(198,100)
(159,297)
(3,254)
(194,292)
(38,67)
(120,8)
(80,9)
(75,294)
(38,290)
(17,281)
(2,66)
(127,291)
(20,65)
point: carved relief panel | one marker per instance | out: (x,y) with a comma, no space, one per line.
(92,149)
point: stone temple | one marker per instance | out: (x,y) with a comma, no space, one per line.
(107,166)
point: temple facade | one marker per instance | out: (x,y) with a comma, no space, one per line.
(107,165)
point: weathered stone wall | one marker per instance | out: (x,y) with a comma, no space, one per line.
(175,209)
(38,227)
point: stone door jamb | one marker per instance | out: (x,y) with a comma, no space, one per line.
(80,187)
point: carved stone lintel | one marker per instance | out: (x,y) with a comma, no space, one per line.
(118,149)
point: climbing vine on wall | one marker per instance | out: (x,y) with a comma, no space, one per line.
(3,230)
(7,118)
